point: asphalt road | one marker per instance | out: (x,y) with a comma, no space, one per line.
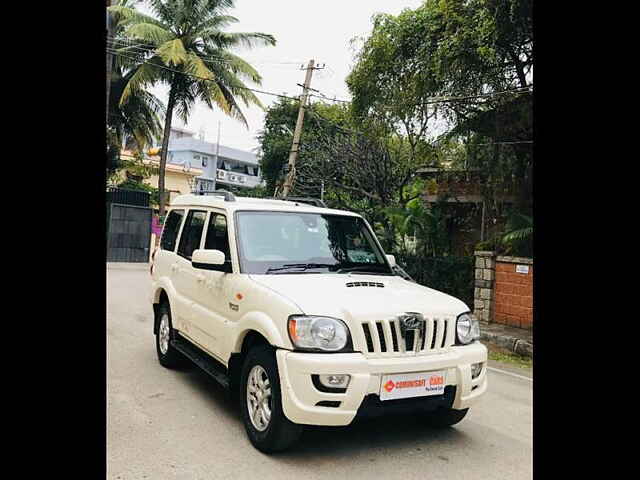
(164,424)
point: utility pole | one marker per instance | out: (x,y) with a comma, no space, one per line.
(293,154)
(109,58)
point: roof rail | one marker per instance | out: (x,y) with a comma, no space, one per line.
(316,202)
(228,196)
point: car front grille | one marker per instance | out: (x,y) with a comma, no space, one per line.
(383,337)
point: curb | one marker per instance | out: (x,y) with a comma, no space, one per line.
(513,344)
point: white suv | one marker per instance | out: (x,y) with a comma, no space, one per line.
(297,309)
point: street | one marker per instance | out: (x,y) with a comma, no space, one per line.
(170,424)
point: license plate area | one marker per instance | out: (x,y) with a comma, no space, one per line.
(409,385)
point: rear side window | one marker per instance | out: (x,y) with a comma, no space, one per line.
(191,233)
(171,229)
(217,237)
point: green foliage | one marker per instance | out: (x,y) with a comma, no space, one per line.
(277,135)
(255,192)
(185,46)
(136,172)
(454,48)
(518,240)
(131,184)
(451,275)
(139,117)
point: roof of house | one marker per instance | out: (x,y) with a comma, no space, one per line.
(200,146)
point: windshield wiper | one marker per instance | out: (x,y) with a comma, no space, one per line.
(363,269)
(304,266)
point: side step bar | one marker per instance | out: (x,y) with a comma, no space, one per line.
(201,359)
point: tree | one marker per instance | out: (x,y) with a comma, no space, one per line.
(139,118)
(277,135)
(478,54)
(187,49)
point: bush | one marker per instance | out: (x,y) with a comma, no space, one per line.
(451,275)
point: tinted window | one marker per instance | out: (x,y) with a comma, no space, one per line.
(191,233)
(171,229)
(217,237)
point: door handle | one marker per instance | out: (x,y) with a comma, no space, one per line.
(174,267)
(200,278)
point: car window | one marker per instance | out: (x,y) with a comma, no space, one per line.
(217,236)
(191,233)
(271,240)
(171,229)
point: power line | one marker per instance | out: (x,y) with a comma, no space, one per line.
(441,99)
(144,48)
(115,52)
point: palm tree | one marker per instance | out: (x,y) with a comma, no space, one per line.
(140,116)
(186,49)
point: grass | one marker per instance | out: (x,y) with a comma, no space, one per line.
(499,354)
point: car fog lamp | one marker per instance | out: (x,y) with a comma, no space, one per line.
(335,381)
(476,368)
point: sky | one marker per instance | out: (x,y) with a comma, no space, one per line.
(304,30)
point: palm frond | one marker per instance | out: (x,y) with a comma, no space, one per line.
(218,39)
(172,52)
(148,32)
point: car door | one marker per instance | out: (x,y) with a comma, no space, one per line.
(212,302)
(186,278)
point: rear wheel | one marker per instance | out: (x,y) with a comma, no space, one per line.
(445,417)
(268,428)
(168,356)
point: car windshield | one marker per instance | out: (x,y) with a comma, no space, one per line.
(291,242)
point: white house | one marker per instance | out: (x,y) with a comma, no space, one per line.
(233,166)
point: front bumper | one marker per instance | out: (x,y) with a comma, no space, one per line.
(300,396)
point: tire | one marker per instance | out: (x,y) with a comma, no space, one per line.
(445,417)
(168,356)
(277,433)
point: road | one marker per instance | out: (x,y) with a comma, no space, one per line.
(165,424)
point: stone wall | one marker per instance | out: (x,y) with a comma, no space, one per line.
(483,293)
(504,290)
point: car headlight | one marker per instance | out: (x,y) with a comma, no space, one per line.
(326,334)
(467,329)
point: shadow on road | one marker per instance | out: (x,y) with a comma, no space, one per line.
(396,432)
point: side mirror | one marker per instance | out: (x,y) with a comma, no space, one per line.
(392,260)
(208,259)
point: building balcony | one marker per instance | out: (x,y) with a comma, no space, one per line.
(237,179)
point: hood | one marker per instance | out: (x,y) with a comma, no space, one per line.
(328,295)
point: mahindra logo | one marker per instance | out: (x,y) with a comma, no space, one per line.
(411,321)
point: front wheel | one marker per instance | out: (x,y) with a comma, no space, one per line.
(268,428)
(445,417)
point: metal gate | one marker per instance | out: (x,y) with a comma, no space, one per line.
(129,233)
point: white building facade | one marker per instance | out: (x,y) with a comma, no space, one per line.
(231,167)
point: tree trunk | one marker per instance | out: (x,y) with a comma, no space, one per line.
(164,150)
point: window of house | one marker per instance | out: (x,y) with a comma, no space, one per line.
(191,233)
(171,229)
